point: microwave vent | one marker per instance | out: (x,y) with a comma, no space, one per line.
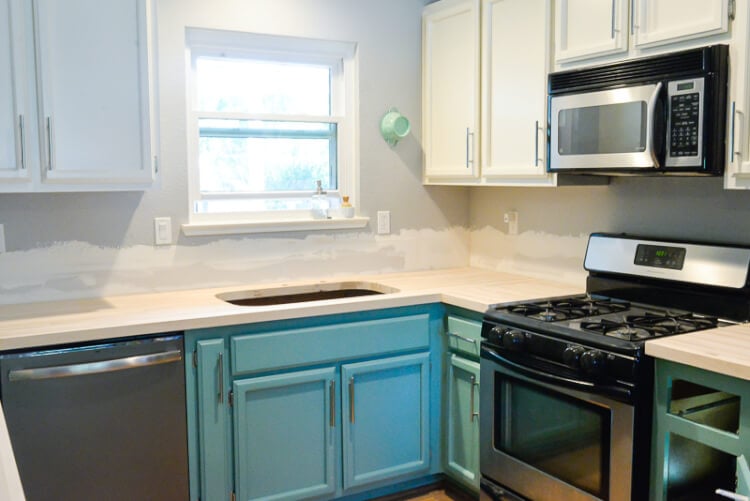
(638,70)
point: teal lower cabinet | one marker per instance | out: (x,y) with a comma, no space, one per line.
(701,435)
(462,451)
(285,434)
(461,399)
(317,408)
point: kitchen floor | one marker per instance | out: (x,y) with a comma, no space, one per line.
(434,496)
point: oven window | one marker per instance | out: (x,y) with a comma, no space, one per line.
(559,435)
(605,129)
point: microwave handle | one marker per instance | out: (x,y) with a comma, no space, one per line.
(651,125)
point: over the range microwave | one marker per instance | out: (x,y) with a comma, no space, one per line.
(657,115)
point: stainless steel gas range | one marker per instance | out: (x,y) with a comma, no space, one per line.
(567,390)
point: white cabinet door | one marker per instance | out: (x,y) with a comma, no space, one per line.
(450,89)
(514,76)
(667,21)
(590,28)
(94,91)
(13,113)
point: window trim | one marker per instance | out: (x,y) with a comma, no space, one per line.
(344,112)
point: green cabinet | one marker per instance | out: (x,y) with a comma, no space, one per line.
(701,434)
(461,399)
(312,409)
(462,451)
(285,435)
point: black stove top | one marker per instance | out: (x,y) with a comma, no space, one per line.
(614,318)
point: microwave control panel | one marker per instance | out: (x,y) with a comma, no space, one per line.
(685,122)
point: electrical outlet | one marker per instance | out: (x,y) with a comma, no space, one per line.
(511,218)
(384,222)
(163,230)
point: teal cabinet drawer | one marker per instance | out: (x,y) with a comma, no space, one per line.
(464,335)
(296,347)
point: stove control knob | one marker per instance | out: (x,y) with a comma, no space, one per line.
(495,335)
(572,356)
(514,340)
(592,361)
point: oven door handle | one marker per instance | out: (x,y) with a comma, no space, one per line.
(537,375)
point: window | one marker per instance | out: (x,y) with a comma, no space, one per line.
(268,117)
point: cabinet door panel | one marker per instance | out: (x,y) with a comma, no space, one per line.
(514,88)
(213,421)
(12,93)
(450,88)
(94,103)
(386,418)
(669,21)
(285,435)
(463,421)
(590,28)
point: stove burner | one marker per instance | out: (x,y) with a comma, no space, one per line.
(569,308)
(636,327)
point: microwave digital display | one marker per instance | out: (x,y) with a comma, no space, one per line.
(659,256)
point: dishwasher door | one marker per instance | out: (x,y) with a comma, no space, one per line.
(102,421)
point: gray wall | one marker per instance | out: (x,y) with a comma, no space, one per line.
(388,33)
(680,208)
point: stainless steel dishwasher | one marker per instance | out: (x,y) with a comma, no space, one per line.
(99,421)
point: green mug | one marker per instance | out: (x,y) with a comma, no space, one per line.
(394,126)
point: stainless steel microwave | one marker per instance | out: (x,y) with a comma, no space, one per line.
(658,115)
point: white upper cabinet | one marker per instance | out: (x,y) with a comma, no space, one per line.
(450,90)
(657,22)
(12,96)
(86,124)
(514,78)
(590,28)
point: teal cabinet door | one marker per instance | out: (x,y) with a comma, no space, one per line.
(285,429)
(213,421)
(462,454)
(386,418)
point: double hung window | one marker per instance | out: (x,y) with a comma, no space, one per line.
(268,117)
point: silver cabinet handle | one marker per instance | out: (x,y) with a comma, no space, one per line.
(474,384)
(731,495)
(612,30)
(351,399)
(332,403)
(632,16)
(118,364)
(48,136)
(732,149)
(22,141)
(220,370)
(462,338)
(536,143)
(469,147)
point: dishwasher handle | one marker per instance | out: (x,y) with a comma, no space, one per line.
(118,364)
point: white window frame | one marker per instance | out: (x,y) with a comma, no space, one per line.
(342,57)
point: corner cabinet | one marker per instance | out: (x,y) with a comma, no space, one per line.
(506,87)
(310,409)
(701,434)
(77,97)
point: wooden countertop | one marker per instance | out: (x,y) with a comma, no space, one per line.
(725,350)
(42,324)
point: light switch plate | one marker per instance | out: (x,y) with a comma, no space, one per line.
(384,222)
(163,230)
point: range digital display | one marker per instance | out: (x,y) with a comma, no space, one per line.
(659,256)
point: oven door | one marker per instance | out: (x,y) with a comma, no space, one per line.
(619,129)
(548,439)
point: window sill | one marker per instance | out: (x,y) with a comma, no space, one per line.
(240,227)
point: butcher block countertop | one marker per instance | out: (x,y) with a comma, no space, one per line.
(43,324)
(725,350)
